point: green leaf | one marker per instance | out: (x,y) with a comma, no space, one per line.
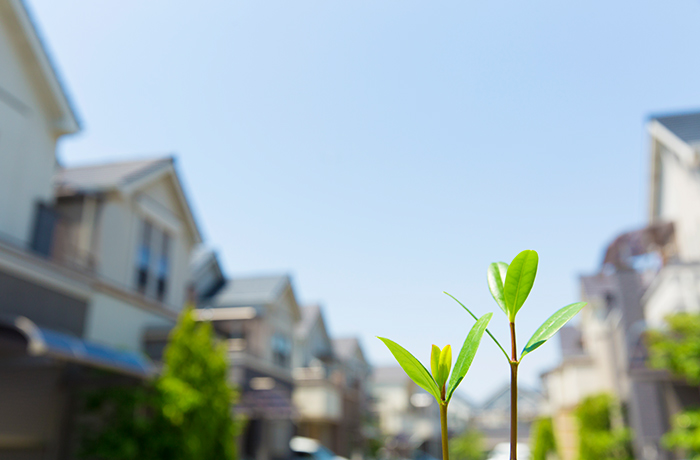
(519,281)
(435,361)
(475,319)
(551,326)
(467,353)
(444,366)
(413,368)
(496,276)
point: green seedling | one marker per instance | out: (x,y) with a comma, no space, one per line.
(437,383)
(510,286)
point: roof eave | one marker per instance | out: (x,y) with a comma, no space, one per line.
(67,121)
(165,168)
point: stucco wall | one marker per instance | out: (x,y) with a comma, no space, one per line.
(320,402)
(120,230)
(119,324)
(27,145)
(679,193)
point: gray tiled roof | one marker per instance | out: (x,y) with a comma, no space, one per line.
(259,290)
(105,176)
(686,126)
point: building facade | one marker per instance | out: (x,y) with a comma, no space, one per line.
(645,275)
(82,280)
(257,317)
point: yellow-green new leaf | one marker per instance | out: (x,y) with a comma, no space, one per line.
(435,361)
(519,280)
(467,353)
(551,326)
(413,368)
(444,366)
(496,276)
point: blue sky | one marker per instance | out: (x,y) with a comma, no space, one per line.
(384,151)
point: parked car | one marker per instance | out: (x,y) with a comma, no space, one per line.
(502,451)
(311,449)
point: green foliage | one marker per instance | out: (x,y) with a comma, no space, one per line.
(520,278)
(496,276)
(551,326)
(444,364)
(184,415)
(467,353)
(131,416)
(413,368)
(510,285)
(598,439)
(440,363)
(677,349)
(197,398)
(476,319)
(685,434)
(468,446)
(543,442)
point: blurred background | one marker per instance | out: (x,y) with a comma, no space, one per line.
(229,201)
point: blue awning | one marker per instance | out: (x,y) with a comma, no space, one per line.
(39,341)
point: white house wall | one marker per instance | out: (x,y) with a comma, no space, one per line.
(321,402)
(119,324)
(27,143)
(117,242)
(120,227)
(677,289)
(679,194)
(569,384)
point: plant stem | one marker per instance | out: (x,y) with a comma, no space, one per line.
(513,395)
(443,428)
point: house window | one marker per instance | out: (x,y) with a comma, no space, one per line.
(163,267)
(153,261)
(281,350)
(143,257)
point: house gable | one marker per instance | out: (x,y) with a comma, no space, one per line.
(19,27)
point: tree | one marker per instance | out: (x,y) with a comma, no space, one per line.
(598,438)
(543,442)
(196,396)
(185,414)
(467,446)
(677,349)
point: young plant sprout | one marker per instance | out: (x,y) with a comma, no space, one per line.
(440,364)
(510,285)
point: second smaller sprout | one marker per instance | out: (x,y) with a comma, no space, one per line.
(441,384)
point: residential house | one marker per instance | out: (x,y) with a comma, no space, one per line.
(492,419)
(646,274)
(318,392)
(91,259)
(408,417)
(258,317)
(355,371)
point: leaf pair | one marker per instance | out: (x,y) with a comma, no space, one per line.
(511,284)
(440,361)
(440,364)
